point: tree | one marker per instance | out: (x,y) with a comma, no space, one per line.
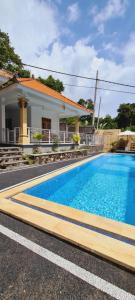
(82,102)
(9,60)
(86,103)
(53,83)
(24,73)
(89,105)
(126,115)
(107,122)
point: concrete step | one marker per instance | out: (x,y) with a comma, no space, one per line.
(10,157)
(12,163)
(2,149)
(10,153)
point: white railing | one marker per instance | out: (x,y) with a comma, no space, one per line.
(10,136)
(63,137)
(49,136)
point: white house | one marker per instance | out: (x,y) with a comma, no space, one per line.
(27,106)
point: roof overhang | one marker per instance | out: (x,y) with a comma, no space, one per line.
(10,94)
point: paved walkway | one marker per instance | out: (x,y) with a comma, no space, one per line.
(9,178)
(44,267)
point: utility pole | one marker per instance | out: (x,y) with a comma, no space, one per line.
(95,98)
(98,112)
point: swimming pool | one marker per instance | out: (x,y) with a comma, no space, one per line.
(104,186)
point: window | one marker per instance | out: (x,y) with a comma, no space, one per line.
(46,123)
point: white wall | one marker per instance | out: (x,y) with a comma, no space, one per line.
(38,112)
(36,117)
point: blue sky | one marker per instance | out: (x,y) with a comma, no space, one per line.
(116,28)
(77,37)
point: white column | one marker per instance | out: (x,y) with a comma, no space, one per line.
(2,122)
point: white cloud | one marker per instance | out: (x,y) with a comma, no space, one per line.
(33,26)
(73,12)
(129,51)
(113,8)
(83,59)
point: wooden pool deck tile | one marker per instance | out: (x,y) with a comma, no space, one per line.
(109,248)
(106,224)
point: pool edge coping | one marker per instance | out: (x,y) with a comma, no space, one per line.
(16,191)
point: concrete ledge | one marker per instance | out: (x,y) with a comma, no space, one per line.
(109,248)
(96,221)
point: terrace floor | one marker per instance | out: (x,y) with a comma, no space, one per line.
(26,274)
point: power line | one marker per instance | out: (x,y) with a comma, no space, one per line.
(79,76)
(98,88)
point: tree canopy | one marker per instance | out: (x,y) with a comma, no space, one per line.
(53,83)
(86,103)
(126,115)
(9,60)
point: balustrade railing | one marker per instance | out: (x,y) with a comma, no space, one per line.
(49,136)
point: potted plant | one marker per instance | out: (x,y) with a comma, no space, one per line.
(55,144)
(76,139)
(38,137)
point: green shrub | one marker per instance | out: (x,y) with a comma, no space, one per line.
(119,145)
(76,138)
(38,136)
(55,144)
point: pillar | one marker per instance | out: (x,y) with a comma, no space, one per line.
(77,124)
(23,136)
(2,123)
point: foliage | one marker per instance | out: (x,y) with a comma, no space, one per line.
(132,128)
(76,138)
(107,122)
(86,119)
(119,145)
(55,144)
(86,103)
(126,115)
(9,60)
(71,120)
(38,136)
(24,73)
(29,159)
(53,83)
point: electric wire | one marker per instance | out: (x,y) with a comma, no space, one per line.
(79,76)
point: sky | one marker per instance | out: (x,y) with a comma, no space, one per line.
(78,37)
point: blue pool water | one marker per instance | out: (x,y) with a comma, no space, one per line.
(104,186)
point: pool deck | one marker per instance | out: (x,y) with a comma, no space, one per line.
(109,247)
(26,275)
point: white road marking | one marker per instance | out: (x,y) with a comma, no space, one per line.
(72,268)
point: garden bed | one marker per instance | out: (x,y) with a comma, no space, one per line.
(43,158)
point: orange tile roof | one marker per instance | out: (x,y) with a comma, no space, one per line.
(39,87)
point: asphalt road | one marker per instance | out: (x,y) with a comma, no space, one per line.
(9,178)
(26,275)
